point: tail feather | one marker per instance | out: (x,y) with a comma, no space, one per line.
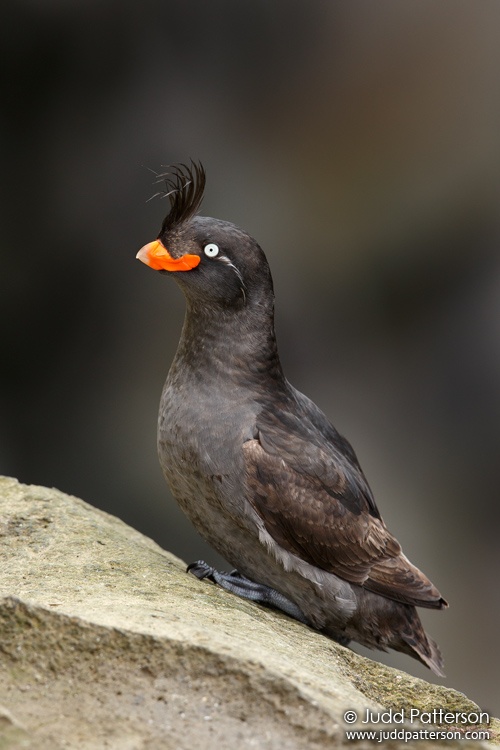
(411,638)
(425,650)
(384,623)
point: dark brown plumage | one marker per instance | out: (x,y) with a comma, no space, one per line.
(257,467)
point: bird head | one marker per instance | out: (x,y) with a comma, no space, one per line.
(213,261)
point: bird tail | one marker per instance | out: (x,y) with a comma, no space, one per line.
(425,650)
(384,623)
(412,639)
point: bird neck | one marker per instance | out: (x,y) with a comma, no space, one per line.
(238,345)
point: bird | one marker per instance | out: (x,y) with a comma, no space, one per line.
(256,466)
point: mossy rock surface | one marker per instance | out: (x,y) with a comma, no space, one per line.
(107,643)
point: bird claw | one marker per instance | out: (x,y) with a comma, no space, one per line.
(201,570)
(247,589)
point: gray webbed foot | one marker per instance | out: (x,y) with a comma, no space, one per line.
(247,589)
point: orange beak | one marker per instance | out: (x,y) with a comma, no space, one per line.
(156,256)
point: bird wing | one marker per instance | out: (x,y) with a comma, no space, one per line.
(315,502)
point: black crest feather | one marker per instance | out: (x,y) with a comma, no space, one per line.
(185,186)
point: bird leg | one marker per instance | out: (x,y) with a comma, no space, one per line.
(247,589)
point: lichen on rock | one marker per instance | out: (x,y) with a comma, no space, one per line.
(106,642)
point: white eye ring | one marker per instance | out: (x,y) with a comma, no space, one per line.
(211,250)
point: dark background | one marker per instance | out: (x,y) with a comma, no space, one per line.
(359,142)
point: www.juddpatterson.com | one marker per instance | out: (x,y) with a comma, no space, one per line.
(454,725)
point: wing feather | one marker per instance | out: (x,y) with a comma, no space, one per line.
(315,502)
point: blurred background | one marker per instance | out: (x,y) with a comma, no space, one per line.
(359,142)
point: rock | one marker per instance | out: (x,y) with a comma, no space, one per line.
(106,642)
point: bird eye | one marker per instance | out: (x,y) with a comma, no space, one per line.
(211,250)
